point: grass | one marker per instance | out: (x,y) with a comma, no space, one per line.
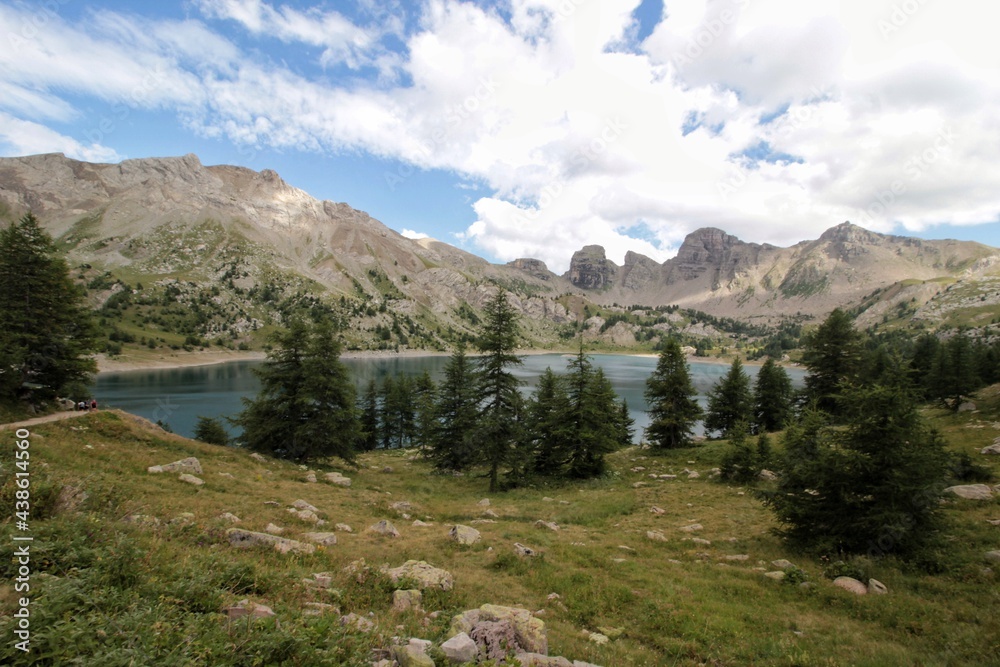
(133,594)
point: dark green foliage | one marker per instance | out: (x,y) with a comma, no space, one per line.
(369,415)
(46,333)
(953,372)
(670,394)
(499,421)
(593,418)
(730,401)
(772,398)
(306,406)
(546,426)
(832,354)
(397,415)
(870,486)
(424,410)
(743,460)
(211,431)
(456,411)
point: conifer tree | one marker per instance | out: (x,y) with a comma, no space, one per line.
(673,410)
(730,401)
(306,408)
(832,355)
(453,441)
(46,332)
(498,428)
(625,425)
(370,417)
(211,431)
(547,426)
(772,397)
(593,418)
(424,418)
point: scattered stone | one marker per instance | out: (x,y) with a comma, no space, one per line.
(411,656)
(777,575)
(359,623)
(229,516)
(624,547)
(337,479)
(691,528)
(485,502)
(737,557)
(693,474)
(319,608)
(322,539)
(406,600)
(426,575)
(546,499)
(190,479)
(460,649)
(272,503)
(383,527)
(227,475)
(387,470)
(992,449)
(656,535)
(257,457)
(994,522)
(971,491)
(309,516)
(539,660)
(491,514)
(273,529)
(303,505)
(417,523)
(767,476)
(782,564)
(478,521)
(311,477)
(993,556)
(401,506)
(189,465)
(851,584)
(657,510)
(619,560)
(967,406)
(528,633)
(247,538)
(343,527)
(553,596)
(182,519)
(320,580)
(522,550)
(700,542)
(245,608)
(876,587)
(547,524)
(142,519)
(638,485)
(464,534)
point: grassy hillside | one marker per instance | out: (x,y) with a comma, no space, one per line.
(111,590)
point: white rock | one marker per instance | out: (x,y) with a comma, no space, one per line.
(190,479)
(460,649)
(384,527)
(303,505)
(971,491)
(273,529)
(464,534)
(691,528)
(851,584)
(876,587)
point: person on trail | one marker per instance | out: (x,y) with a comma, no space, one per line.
(93,404)
(82,405)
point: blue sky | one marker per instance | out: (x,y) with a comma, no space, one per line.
(529,128)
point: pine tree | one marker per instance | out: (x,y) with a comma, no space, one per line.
(211,431)
(498,428)
(453,442)
(593,418)
(547,427)
(832,355)
(306,407)
(870,486)
(46,332)
(670,394)
(772,397)
(424,417)
(370,417)
(730,401)
(625,425)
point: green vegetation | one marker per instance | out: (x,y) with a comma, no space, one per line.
(673,410)
(730,402)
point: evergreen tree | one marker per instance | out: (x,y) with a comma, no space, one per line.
(398,412)
(453,442)
(306,407)
(832,355)
(739,462)
(871,486)
(547,426)
(424,417)
(625,425)
(954,373)
(370,417)
(730,401)
(772,397)
(46,332)
(211,431)
(500,400)
(670,394)
(593,418)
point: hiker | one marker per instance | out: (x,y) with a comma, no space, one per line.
(82,405)
(93,404)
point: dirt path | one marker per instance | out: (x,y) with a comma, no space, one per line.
(54,417)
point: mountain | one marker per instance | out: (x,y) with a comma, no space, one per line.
(174,251)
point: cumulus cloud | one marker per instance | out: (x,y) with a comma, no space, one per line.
(21,137)
(410,234)
(772,119)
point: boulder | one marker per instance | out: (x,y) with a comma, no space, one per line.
(782,564)
(229,516)
(993,556)
(767,476)
(190,479)
(383,527)
(343,527)
(426,575)
(273,529)
(778,575)
(737,557)
(359,623)
(528,631)
(182,519)
(309,516)
(247,538)
(547,524)
(656,536)
(411,656)
(485,502)
(417,523)
(460,649)
(992,449)
(245,608)
(540,660)
(337,479)
(401,506)
(691,528)
(464,534)
(657,510)
(851,584)
(971,491)
(323,539)
(967,406)
(303,505)
(406,600)
(257,457)
(876,587)
(522,550)
(188,465)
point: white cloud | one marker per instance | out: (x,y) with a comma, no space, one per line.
(410,234)
(21,137)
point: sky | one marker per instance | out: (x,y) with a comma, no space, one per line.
(530,128)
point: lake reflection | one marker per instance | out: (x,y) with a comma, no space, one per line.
(178,396)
